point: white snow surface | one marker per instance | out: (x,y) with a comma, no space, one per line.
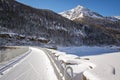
(99,66)
(107,67)
(89,50)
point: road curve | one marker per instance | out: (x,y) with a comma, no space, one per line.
(36,66)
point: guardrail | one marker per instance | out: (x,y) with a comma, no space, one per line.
(60,67)
(11,63)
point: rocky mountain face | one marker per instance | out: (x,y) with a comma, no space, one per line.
(80,12)
(84,15)
(24,25)
(98,26)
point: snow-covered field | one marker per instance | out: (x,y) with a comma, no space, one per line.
(91,63)
(89,50)
(107,67)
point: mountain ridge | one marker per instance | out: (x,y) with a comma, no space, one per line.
(118,17)
(84,16)
(24,25)
(25,20)
(80,12)
(110,25)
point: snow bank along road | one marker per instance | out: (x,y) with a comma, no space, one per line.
(95,67)
(35,66)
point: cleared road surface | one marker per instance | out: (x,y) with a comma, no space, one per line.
(36,66)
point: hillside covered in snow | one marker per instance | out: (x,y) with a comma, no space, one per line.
(98,26)
(24,20)
(24,25)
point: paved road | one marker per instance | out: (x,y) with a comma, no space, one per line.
(36,66)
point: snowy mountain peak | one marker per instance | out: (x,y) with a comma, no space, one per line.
(80,12)
(80,8)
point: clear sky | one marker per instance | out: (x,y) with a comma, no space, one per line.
(103,7)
